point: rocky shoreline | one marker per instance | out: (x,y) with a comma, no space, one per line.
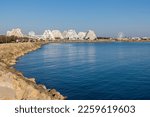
(13,85)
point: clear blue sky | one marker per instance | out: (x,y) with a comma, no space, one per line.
(106,17)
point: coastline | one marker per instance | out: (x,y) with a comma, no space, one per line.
(13,85)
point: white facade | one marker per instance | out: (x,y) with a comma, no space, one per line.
(64,34)
(90,35)
(121,35)
(31,34)
(48,35)
(82,35)
(57,34)
(15,32)
(72,35)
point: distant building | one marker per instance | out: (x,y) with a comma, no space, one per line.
(31,34)
(48,35)
(145,38)
(64,34)
(71,35)
(82,35)
(90,35)
(15,32)
(136,38)
(57,34)
(121,35)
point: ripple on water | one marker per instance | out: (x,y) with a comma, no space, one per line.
(92,70)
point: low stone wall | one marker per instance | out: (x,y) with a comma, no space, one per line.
(13,85)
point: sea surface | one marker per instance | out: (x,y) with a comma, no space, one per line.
(92,71)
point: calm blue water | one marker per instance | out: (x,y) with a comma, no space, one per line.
(92,70)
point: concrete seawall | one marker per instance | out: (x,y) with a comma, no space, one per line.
(13,85)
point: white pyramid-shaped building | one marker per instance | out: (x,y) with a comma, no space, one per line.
(90,35)
(82,35)
(15,32)
(64,34)
(48,35)
(57,34)
(72,35)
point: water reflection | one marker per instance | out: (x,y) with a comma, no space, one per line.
(70,52)
(105,70)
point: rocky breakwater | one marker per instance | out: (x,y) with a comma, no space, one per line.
(13,85)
